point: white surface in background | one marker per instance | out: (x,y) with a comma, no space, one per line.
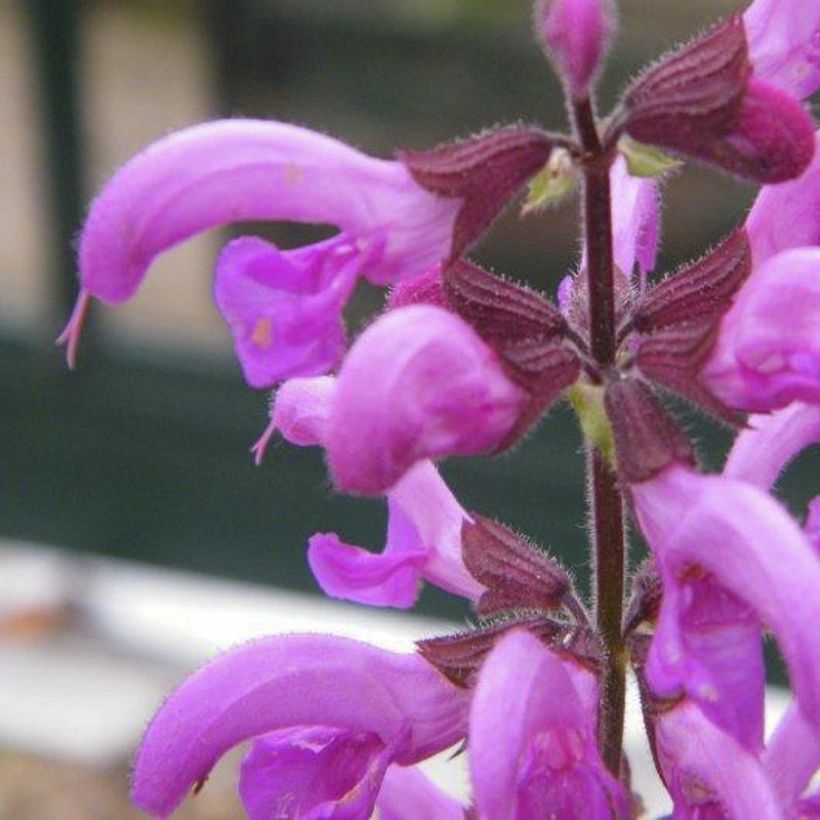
(87,697)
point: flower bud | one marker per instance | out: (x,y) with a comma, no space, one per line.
(574,34)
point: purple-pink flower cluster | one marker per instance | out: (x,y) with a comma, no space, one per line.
(462,361)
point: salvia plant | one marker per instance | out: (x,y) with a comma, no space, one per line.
(463,361)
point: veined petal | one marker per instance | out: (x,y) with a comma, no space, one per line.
(293,681)
(762,451)
(418,383)
(787,215)
(243,170)
(709,643)
(285,308)
(701,526)
(408,794)
(767,352)
(784,43)
(423,541)
(708,773)
(533,750)
(792,755)
(313,773)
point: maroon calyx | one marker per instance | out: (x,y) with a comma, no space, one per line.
(486,171)
(459,657)
(700,290)
(703,101)
(528,333)
(516,573)
(647,439)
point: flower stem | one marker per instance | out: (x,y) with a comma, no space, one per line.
(606,513)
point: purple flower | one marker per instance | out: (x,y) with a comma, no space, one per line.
(285,308)
(418,383)
(329,714)
(424,519)
(533,737)
(313,771)
(241,170)
(761,451)
(787,216)
(767,351)
(784,43)
(423,541)
(730,558)
(707,772)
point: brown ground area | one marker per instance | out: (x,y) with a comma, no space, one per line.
(32,788)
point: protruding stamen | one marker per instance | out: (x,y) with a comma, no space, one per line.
(70,337)
(261,445)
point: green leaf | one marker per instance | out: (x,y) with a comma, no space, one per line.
(556,180)
(646,160)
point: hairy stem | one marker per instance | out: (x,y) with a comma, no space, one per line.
(606,513)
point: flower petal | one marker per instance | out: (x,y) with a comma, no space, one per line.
(709,644)
(708,773)
(313,772)
(754,550)
(285,308)
(242,170)
(408,794)
(784,43)
(290,681)
(418,383)
(533,750)
(635,219)
(767,352)
(787,215)
(352,573)
(792,755)
(762,451)
(423,541)
(301,407)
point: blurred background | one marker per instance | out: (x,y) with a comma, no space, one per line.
(142,455)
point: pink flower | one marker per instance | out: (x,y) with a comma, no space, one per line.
(237,170)
(767,352)
(330,715)
(425,520)
(787,215)
(729,558)
(418,383)
(533,737)
(706,100)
